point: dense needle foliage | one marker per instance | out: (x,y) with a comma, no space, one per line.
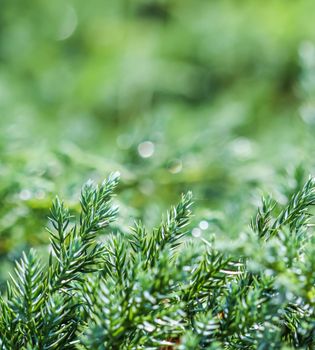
(216,97)
(159,289)
(218,88)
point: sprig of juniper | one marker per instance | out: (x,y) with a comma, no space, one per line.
(295,213)
(160,289)
(42,309)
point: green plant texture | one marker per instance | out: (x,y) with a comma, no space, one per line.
(213,97)
(159,288)
(177,95)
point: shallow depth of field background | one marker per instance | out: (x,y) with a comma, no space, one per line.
(213,96)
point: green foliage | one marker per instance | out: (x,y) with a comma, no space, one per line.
(147,88)
(82,88)
(162,289)
(295,213)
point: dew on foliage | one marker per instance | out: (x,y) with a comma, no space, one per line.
(203,224)
(69,23)
(146,149)
(196,232)
(25,195)
(175,166)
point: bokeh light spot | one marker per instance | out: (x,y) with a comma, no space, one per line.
(146,149)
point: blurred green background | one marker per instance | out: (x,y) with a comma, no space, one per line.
(213,96)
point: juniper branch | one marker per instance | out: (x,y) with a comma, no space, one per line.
(295,214)
(148,290)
